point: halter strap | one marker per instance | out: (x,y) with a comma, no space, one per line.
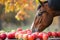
(39,14)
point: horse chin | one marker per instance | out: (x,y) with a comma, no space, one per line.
(34,29)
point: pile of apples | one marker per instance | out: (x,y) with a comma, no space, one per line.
(27,34)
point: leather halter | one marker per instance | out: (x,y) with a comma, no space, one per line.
(42,4)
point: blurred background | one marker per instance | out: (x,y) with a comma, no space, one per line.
(21,13)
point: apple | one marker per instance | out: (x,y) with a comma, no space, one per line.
(20,36)
(29,32)
(36,33)
(16,35)
(30,37)
(54,34)
(49,34)
(24,31)
(11,35)
(58,33)
(3,35)
(40,35)
(0,37)
(19,29)
(34,36)
(21,32)
(25,36)
(45,36)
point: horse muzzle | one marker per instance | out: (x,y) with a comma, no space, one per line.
(34,29)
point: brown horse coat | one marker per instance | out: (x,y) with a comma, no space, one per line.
(44,18)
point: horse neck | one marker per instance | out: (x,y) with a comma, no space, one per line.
(51,11)
(57,13)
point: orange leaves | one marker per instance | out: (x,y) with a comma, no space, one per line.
(11,7)
(2,1)
(25,1)
(19,5)
(29,6)
(22,15)
(16,5)
(22,5)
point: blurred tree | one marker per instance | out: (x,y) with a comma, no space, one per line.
(22,6)
(12,7)
(1,11)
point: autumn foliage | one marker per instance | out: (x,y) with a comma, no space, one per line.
(18,6)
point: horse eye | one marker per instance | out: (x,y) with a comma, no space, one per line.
(39,14)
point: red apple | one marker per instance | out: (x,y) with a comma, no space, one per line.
(21,32)
(20,36)
(28,31)
(58,33)
(19,29)
(24,31)
(49,34)
(45,36)
(30,37)
(3,35)
(0,37)
(16,35)
(11,35)
(36,33)
(40,35)
(54,34)
(34,36)
(25,37)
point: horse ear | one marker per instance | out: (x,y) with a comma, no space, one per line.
(41,2)
(39,6)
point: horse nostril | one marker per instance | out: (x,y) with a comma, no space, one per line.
(34,29)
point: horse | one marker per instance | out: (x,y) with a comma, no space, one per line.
(44,17)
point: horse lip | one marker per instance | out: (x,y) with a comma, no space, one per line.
(34,29)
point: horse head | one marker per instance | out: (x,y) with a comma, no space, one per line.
(43,18)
